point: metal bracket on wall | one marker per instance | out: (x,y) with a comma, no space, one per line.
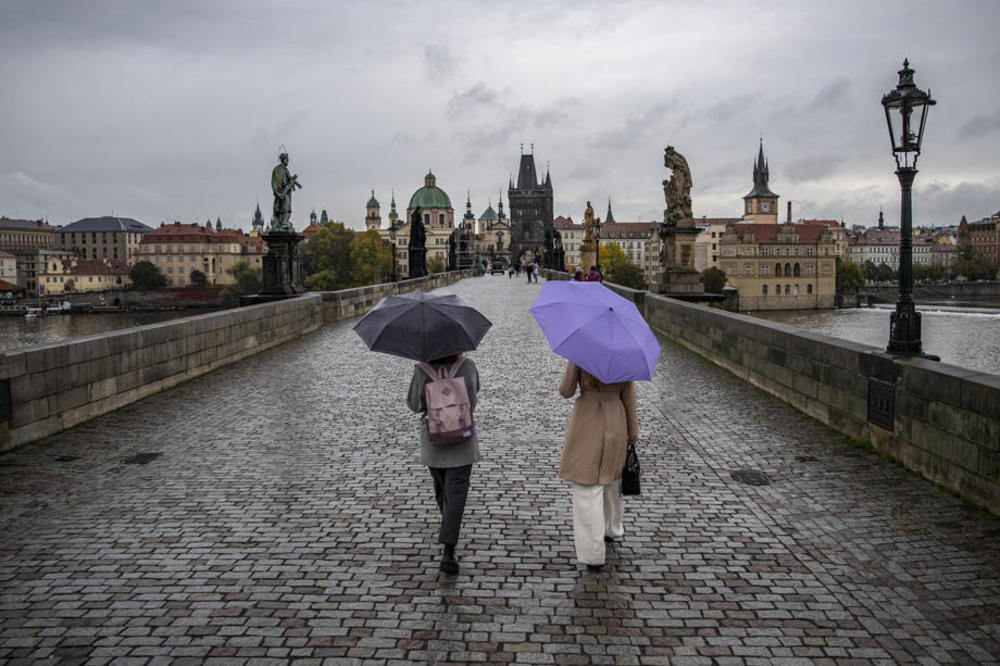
(882,374)
(5,406)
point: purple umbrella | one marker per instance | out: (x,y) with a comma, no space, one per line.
(597,329)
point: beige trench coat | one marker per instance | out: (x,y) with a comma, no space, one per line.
(604,417)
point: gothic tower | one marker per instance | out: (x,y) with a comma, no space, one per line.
(530,212)
(761,205)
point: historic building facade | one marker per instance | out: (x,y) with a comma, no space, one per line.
(102,238)
(788,266)
(177,249)
(72,274)
(780,266)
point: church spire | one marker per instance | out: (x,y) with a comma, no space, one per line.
(609,217)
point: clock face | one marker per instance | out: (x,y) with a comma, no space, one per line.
(766,207)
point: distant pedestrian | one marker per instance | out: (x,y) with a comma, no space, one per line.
(578,276)
(450,465)
(594,275)
(604,421)
(528,270)
(534,271)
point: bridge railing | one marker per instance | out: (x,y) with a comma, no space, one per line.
(940,420)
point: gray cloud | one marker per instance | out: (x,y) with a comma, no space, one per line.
(834,95)
(980,125)
(815,167)
(439,62)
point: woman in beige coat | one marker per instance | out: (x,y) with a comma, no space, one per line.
(604,420)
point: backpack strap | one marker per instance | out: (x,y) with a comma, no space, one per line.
(453,370)
(429,371)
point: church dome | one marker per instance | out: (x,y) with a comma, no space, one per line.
(430,195)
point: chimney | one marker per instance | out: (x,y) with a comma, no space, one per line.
(789,212)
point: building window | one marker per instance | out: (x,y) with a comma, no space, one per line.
(787,289)
(764,290)
(777,270)
(777,290)
(796,290)
(748,268)
(796,270)
(427,218)
(809,288)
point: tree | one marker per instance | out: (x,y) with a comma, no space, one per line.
(714,279)
(871,270)
(197,278)
(325,280)
(146,275)
(884,273)
(248,280)
(618,269)
(329,251)
(849,276)
(371,259)
(70,285)
(435,265)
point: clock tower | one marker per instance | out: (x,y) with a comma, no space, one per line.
(761,205)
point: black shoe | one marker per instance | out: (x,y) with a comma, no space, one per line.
(595,567)
(608,539)
(449,564)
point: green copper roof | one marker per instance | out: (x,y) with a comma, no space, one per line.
(430,196)
(373,202)
(489,215)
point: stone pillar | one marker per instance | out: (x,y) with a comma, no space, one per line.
(282,268)
(677,274)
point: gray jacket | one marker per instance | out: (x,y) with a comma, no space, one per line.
(454,455)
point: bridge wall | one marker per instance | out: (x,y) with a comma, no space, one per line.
(52,387)
(348,303)
(946,422)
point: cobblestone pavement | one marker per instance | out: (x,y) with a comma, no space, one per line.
(287,518)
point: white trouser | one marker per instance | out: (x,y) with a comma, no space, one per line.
(597,512)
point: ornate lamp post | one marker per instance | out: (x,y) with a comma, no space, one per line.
(597,237)
(393,230)
(906,132)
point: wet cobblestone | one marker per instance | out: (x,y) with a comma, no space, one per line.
(289,520)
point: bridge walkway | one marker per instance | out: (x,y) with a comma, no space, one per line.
(282,514)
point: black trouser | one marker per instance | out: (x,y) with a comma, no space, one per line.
(451,486)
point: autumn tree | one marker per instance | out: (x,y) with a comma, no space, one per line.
(618,269)
(370,258)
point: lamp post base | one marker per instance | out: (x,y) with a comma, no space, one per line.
(904,332)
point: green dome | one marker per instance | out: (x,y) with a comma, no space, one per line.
(373,202)
(430,195)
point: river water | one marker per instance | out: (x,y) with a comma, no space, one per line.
(19,331)
(967,335)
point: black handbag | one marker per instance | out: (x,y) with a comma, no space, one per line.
(630,473)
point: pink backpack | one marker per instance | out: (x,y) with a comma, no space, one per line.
(449,412)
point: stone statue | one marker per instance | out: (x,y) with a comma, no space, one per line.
(283,183)
(418,245)
(588,222)
(677,188)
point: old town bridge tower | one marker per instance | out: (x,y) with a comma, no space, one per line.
(530,203)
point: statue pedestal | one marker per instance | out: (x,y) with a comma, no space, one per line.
(588,256)
(677,274)
(282,268)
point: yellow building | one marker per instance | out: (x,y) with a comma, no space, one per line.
(781,266)
(61,276)
(177,249)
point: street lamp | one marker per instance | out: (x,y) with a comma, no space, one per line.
(906,133)
(597,237)
(393,230)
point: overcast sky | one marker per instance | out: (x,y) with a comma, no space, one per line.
(166,111)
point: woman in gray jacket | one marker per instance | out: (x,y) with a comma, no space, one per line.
(450,465)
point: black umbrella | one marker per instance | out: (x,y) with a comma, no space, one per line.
(422,327)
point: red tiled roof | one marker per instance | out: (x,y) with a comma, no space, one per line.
(10,286)
(561,222)
(95,267)
(825,223)
(768,233)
